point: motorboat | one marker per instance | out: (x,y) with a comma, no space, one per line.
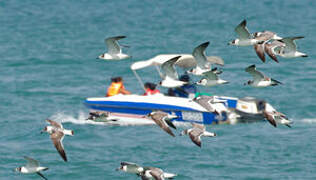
(132,109)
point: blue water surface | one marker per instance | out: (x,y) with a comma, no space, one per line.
(48,63)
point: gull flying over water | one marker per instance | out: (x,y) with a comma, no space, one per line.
(264,36)
(57,133)
(130,167)
(163,120)
(211,78)
(146,173)
(259,79)
(245,38)
(170,78)
(290,49)
(275,118)
(114,49)
(204,62)
(155,173)
(196,132)
(32,166)
(273,49)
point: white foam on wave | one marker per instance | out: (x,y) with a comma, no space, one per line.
(69,118)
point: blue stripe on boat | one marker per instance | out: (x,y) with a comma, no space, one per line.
(135,105)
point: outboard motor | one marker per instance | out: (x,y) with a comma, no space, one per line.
(250,109)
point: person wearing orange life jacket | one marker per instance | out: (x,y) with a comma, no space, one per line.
(116,87)
(150,89)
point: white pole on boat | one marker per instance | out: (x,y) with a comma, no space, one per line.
(139,80)
(160,74)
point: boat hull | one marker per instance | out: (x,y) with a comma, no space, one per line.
(186,109)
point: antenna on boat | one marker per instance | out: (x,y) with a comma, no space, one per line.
(139,80)
(160,74)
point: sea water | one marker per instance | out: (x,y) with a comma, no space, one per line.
(48,63)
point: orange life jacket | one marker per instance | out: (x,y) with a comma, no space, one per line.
(114,88)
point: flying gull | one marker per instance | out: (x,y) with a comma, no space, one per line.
(245,38)
(196,132)
(57,133)
(264,36)
(130,167)
(32,166)
(211,78)
(259,79)
(163,120)
(203,63)
(114,49)
(170,78)
(290,49)
(275,118)
(155,173)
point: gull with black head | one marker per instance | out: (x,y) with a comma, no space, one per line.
(211,78)
(114,49)
(32,166)
(245,37)
(57,133)
(259,79)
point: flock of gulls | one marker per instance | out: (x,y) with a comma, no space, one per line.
(265,42)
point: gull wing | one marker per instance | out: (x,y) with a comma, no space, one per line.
(270,118)
(264,36)
(254,73)
(156,173)
(112,44)
(242,30)
(31,163)
(57,138)
(195,136)
(211,75)
(259,48)
(124,163)
(168,68)
(215,60)
(269,49)
(199,55)
(159,119)
(290,45)
(54,123)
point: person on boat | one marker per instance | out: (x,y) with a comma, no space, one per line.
(116,87)
(150,89)
(187,90)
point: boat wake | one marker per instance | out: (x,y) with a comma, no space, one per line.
(309,120)
(79,119)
